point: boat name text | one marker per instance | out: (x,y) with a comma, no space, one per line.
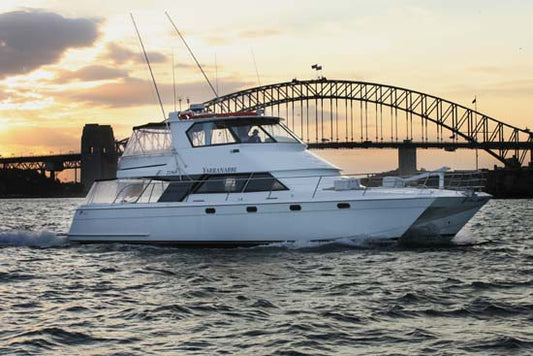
(218,170)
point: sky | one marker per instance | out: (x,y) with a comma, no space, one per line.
(65,64)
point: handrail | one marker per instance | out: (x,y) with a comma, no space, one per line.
(461,180)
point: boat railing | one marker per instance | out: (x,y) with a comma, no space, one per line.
(440,179)
(151,190)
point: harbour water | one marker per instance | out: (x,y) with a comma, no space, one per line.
(473,296)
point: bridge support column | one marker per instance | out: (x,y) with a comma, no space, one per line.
(407,161)
(98,155)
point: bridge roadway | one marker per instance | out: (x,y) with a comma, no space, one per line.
(50,163)
(448,146)
(73,160)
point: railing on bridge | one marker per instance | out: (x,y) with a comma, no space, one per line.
(345,114)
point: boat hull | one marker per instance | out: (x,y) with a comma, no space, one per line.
(246,224)
(446,216)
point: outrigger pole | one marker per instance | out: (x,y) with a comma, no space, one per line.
(149,67)
(192,55)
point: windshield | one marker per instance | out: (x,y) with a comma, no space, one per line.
(239,131)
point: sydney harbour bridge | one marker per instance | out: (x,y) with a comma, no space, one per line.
(352,114)
(344,114)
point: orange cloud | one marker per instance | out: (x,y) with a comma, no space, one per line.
(91,73)
(137,92)
(121,55)
(39,140)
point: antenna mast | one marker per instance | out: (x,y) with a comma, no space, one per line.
(255,65)
(149,67)
(192,54)
(174,79)
(216,72)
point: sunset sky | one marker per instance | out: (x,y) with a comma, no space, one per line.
(67,63)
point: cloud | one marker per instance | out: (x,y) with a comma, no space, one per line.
(40,139)
(220,40)
(258,33)
(91,73)
(132,92)
(119,55)
(487,69)
(31,39)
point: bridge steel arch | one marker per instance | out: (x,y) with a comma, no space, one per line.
(457,126)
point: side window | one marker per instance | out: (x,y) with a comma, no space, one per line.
(233,183)
(261,182)
(197,135)
(221,136)
(257,135)
(176,191)
(279,133)
(210,133)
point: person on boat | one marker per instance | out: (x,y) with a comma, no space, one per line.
(255,137)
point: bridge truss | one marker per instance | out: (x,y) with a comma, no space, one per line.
(43,163)
(347,114)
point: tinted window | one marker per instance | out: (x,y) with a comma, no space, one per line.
(261,182)
(236,183)
(176,191)
(223,184)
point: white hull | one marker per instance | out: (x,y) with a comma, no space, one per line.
(447,215)
(201,179)
(232,224)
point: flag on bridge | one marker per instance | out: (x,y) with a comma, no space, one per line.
(475,100)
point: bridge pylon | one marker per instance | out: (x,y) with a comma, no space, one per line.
(98,154)
(406,161)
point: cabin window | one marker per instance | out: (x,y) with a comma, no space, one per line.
(237,183)
(210,133)
(279,133)
(176,191)
(232,183)
(241,130)
(149,140)
(263,182)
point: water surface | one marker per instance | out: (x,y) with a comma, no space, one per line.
(471,297)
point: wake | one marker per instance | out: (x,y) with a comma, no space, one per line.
(41,239)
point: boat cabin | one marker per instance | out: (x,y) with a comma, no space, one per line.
(213,144)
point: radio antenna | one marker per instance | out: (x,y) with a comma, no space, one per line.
(216,72)
(192,54)
(255,65)
(149,67)
(174,79)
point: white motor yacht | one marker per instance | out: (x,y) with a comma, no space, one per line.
(241,179)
